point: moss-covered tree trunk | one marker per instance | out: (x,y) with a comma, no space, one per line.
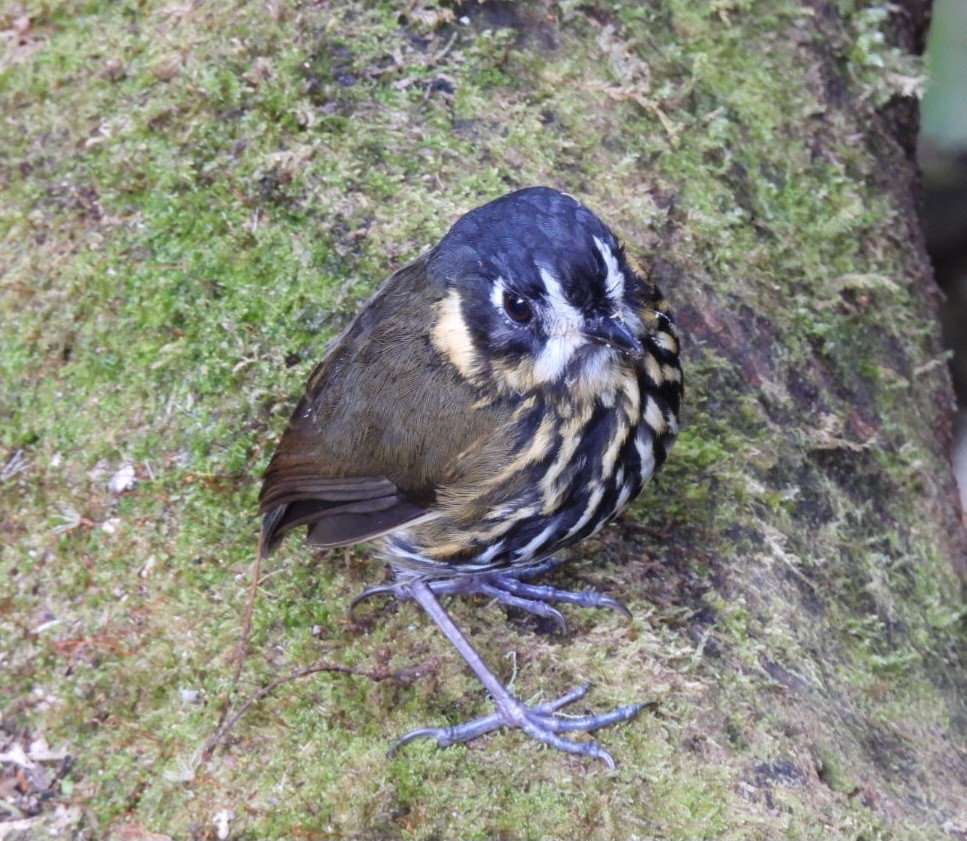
(195,199)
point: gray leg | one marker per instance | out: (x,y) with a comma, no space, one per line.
(539,722)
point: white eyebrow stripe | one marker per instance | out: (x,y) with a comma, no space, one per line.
(615,282)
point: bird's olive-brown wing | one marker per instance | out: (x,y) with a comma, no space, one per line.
(385,422)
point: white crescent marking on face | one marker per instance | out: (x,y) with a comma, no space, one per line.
(497,294)
(562,311)
(615,281)
(564,330)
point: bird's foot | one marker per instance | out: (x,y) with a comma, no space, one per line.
(506,588)
(540,722)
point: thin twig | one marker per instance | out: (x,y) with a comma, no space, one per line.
(241,649)
(442,53)
(380,673)
(265,690)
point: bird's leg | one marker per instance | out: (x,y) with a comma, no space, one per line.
(507,588)
(539,722)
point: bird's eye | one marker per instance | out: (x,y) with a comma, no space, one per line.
(517,308)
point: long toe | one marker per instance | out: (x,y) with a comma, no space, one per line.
(590,749)
(587,723)
(538,608)
(543,593)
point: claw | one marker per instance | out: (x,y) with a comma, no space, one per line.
(423,732)
(378,590)
(575,694)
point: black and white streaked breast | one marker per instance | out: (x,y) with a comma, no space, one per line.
(591,424)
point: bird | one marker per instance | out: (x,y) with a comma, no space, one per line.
(499,399)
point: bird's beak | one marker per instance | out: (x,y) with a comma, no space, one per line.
(614,334)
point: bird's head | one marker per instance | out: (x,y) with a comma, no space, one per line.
(538,293)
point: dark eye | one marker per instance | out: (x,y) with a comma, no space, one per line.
(517,308)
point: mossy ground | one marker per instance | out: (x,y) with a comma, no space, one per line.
(196,197)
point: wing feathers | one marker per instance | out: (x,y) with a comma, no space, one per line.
(337,511)
(343,526)
(279,490)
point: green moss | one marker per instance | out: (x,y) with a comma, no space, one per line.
(194,201)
